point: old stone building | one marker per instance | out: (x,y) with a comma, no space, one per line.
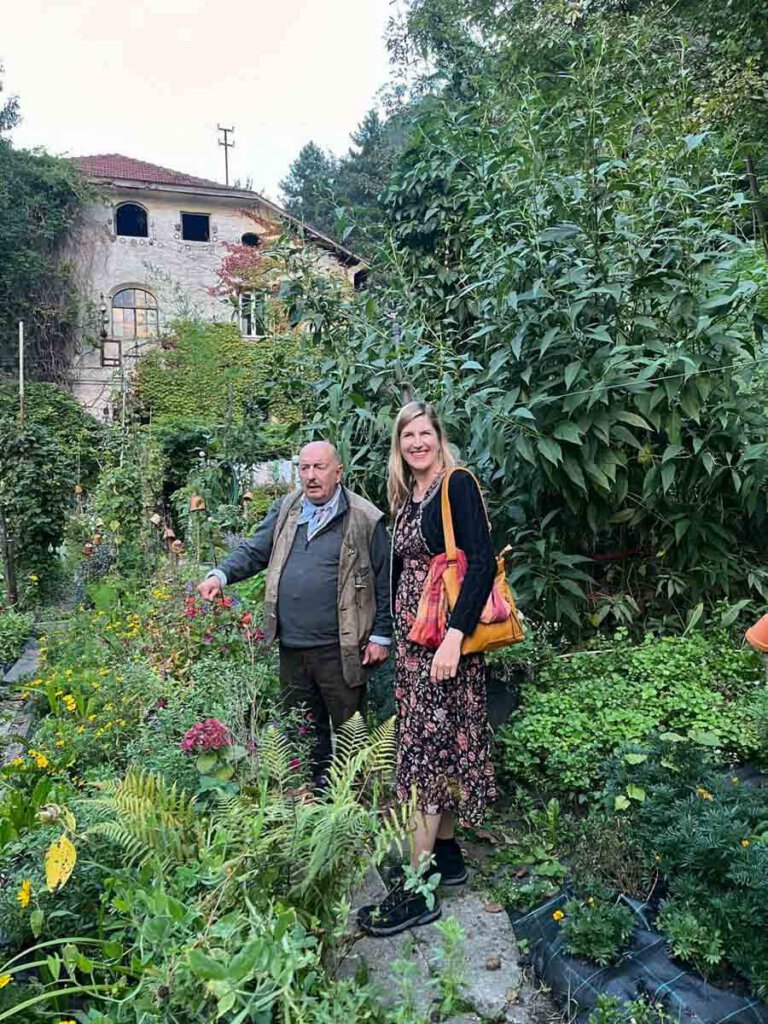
(149,251)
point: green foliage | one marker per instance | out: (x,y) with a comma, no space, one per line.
(705,830)
(35,494)
(597,930)
(241,380)
(40,202)
(79,434)
(568,289)
(611,1010)
(15,628)
(583,706)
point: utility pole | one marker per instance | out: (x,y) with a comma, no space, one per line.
(226,132)
(21,372)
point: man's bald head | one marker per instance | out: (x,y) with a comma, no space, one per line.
(320,471)
(323,449)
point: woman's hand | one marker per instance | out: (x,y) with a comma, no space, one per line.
(445,663)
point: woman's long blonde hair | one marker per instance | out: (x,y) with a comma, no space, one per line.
(399,475)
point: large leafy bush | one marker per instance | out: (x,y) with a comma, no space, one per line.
(564,280)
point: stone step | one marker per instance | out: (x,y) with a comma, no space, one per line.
(493,984)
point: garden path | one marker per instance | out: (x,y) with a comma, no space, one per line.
(15,712)
(494,985)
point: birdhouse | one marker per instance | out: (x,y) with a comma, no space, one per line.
(196,503)
(155,519)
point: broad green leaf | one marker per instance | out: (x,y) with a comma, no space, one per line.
(567,432)
(550,449)
(571,373)
(620,803)
(635,758)
(635,792)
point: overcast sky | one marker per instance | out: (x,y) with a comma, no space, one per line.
(152,79)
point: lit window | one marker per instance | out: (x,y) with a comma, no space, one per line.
(252,314)
(251,239)
(131,220)
(134,314)
(195,227)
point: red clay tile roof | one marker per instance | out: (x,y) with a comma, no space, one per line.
(114,165)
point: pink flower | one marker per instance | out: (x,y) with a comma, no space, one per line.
(295,764)
(208,639)
(303,730)
(208,735)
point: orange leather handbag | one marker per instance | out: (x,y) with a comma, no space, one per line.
(488,636)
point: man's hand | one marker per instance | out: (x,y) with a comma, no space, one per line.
(210,588)
(375,654)
(445,663)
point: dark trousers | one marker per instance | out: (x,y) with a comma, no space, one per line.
(312,678)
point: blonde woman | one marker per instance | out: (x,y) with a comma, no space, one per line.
(444,748)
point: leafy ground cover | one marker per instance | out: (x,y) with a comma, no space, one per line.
(163,858)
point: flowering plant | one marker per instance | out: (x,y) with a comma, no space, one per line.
(208,735)
(217,753)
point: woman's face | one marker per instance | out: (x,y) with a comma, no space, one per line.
(419,445)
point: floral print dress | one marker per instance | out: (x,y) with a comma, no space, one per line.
(444,740)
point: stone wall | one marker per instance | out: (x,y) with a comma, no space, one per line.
(180,274)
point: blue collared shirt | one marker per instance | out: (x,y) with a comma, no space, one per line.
(317,516)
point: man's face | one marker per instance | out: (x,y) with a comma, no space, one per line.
(319,472)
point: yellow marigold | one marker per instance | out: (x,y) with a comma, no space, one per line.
(59,743)
(80,728)
(42,761)
(704,793)
(17,762)
(745,842)
(91,718)
(32,578)
(24,895)
(558,915)
(5,979)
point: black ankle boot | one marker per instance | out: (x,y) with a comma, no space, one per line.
(449,862)
(399,910)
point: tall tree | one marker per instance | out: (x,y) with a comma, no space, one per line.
(308,188)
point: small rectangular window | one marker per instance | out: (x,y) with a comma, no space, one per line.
(252,314)
(111,352)
(195,227)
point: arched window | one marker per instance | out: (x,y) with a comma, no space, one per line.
(131,220)
(134,314)
(251,239)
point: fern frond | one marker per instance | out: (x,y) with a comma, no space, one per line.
(148,818)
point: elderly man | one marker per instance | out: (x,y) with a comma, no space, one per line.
(326,552)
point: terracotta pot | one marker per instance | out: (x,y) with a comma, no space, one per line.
(87,550)
(96,539)
(757,635)
(177,547)
(196,503)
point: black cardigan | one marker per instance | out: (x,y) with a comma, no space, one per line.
(470,527)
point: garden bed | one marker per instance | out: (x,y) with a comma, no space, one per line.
(644,971)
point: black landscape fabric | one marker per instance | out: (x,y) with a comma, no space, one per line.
(645,970)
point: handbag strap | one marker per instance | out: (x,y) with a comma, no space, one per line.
(445,505)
